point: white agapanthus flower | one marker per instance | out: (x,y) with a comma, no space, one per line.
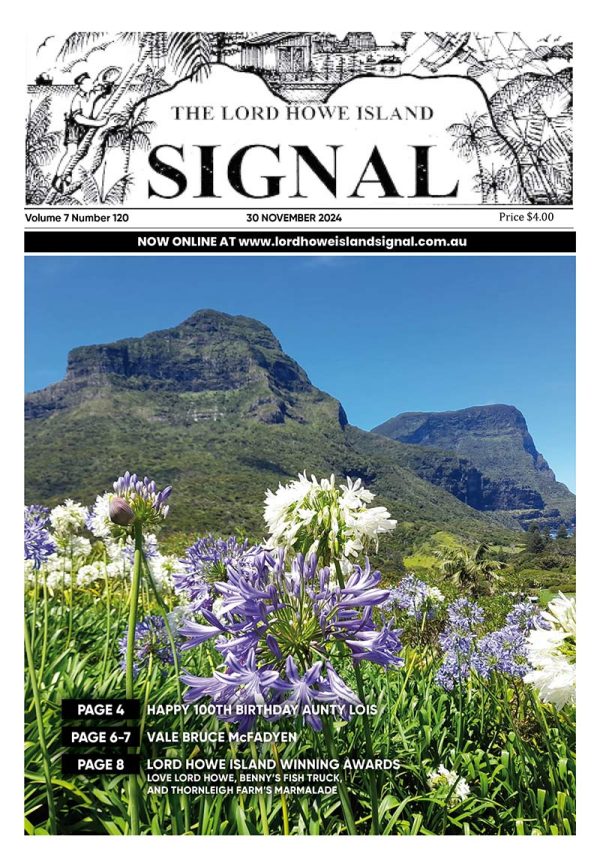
(90,573)
(68,518)
(162,568)
(442,780)
(57,571)
(115,551)
(99,520)
(316,516)
(30,570)
(119,559)
(71,546)
(552,654)
(58,563)
(57,579)
(117,565)
(120,553)
(562,613)
(57,568)
(115,571)
(79,546)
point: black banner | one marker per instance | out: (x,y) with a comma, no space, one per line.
(100,708)
(95,763)
(110,736)
(300,242)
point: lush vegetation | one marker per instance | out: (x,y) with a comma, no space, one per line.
(515,754)
(484,755)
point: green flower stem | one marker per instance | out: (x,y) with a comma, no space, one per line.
(176,667)
(45,631)
(261,797)
(389,711)
(407,674)
(369,745)
(539,711)
(284,808)
(338,572)
(459,729)
(63,595)
(367,729)
(342,789)
(129,677)
(71,602)
(35,605)
(41,732)
(501,704)
(146,694)
(108,626)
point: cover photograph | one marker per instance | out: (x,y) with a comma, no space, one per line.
(299,522)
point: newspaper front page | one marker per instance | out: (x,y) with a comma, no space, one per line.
(299,435)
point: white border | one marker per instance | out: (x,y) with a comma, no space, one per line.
(307,14)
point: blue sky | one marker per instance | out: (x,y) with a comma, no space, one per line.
(381,334)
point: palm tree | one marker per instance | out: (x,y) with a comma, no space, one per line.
(187,53)
(470,569)
(533,112)
(473,139)
(151,80)
(93,193)
(223,44)
(130,132)
(492,181)
(41,146)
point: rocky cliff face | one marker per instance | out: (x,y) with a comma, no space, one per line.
(499,468)
(214,407)
(235,363)
(208,351)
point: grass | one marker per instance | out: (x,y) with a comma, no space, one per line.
(516,754)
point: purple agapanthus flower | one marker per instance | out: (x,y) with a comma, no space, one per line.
(204,562)
(291,622)
(39,544)
(415,597)
(526,616)
(464,614)
(458,642)
(37,514)
(338,688)
(240,683)
(455,669)
(151,549)
(141,497)
(377,645)
(408,594)
(361,589)
(303,690)
(151,639)
(503,651)
(197,633)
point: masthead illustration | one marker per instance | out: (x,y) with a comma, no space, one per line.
(95,101)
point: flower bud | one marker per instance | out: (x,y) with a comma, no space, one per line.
(120,512)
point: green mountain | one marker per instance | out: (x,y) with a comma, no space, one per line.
(217,409)
(502,471)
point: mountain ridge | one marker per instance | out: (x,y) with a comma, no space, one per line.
(216,408)
(512,476)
